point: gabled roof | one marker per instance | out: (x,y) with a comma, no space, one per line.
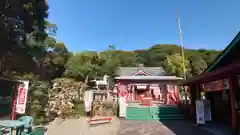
(141,72)
(159,78)
(131,71)
(226,51)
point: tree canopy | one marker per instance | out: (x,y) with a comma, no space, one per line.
(95,64)
(20,20)
(173,64)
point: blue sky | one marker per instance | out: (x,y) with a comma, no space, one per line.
(139,24)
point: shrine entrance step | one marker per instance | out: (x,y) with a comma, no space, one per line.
(155,112)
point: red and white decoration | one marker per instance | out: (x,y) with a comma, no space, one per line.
(141,73)
(22,97)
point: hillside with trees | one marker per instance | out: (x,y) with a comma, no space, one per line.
(96,64)
(30,53)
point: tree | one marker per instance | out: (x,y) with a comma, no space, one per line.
(158,53)
(81,65)
(51,56)
(155,55)
(110,62)
(19,18)
(143,57)
(55,60)
(209,56)
(127,58)
(196,65)
(173,65)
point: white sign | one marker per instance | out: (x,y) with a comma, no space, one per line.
(88,106)
(200,112)
(141,87)
(207,110)
(22,97)
(122,107)
(88,96)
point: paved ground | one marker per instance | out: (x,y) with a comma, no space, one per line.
(81,127)
(124,127)
(159,128)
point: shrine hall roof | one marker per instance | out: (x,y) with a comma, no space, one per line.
(151,71)
(148,78)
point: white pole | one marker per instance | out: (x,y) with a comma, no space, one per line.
(182,52)
(181,45)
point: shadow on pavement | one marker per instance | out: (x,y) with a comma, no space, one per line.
(154,127)
(181,127)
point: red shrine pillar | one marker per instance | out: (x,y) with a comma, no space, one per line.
(178,94)
(165,94)
(118,89)
(232,85)
(15,96)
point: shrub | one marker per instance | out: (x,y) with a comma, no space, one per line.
(65,111)
(78,109)
(110,107)
(65,98)
(96,108)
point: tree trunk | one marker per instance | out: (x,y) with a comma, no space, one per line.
(81,89)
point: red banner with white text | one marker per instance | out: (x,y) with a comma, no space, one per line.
(22,97)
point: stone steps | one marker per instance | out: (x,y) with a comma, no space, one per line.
(153,113)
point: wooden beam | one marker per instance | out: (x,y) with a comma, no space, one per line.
(2,78)
(213,76)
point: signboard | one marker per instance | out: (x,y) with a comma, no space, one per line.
(122,107)
(154,86)
(22,97)
(207,110)
(141,86)
(200,112)
(88,96)
(216,85)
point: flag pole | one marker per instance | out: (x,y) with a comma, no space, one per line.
(182,54)
(181,45)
